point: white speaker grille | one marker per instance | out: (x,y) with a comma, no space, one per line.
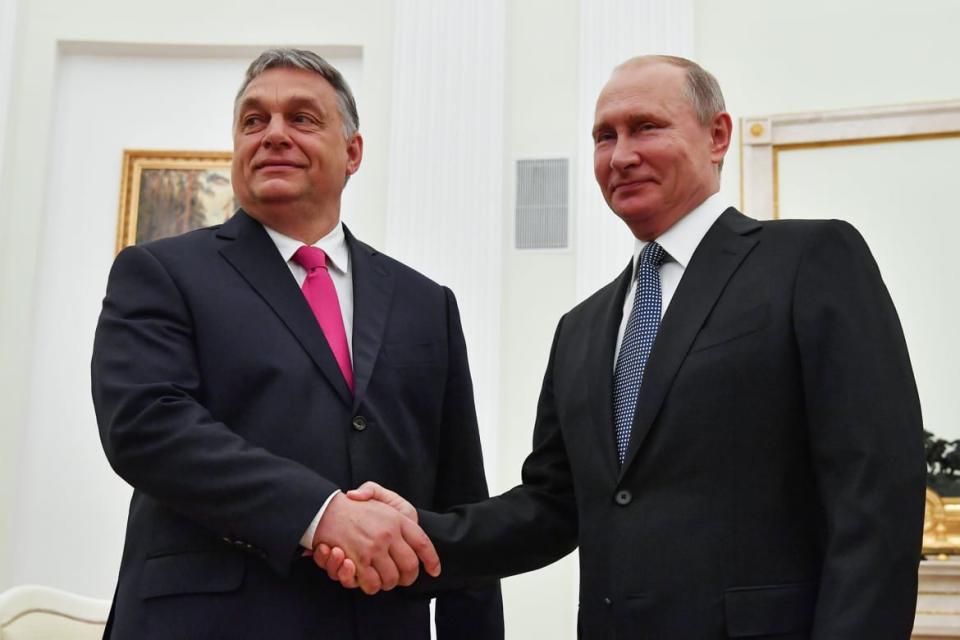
(542,203)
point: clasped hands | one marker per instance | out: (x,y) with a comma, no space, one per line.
(369,538)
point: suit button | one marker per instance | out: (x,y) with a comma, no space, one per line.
(359,423)
(608,601)
(623,497)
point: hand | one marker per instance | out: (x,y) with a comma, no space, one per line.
(334,560)
(383,547)
(372,491)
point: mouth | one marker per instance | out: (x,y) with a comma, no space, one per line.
(630,185)
(276,165)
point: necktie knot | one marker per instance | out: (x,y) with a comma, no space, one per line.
(653,254)
(310,258)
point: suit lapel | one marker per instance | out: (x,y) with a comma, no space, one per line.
(599,370)
(251,252)
(372,292)
(715,260)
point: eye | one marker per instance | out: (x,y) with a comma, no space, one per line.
(303,118)
(251,121)
(603,136)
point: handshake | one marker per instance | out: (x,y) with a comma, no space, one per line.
(369,538)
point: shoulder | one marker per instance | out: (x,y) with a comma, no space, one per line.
(185,248)
(402,273)
(807,229)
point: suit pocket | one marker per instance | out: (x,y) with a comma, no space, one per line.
(749,321)
(413,354)
(769,610)
(211,571)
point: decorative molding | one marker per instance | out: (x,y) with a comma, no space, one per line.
(763,138)
(8,41)
(445,187)
(938,600)
(611,32)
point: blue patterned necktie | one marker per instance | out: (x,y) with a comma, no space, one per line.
(637,342)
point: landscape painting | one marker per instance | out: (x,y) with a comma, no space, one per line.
(166,193)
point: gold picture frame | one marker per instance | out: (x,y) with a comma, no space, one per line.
(165,193)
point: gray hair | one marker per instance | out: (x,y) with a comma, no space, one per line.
(301,59)
(702,90)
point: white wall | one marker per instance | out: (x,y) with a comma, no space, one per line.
(63,512)
(8,436)
(540,120)
(780,57)
(773,57)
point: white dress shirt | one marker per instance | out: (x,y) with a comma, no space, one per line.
(334,244)
(679,242)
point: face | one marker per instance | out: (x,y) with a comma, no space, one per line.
(289,152)
(653,159)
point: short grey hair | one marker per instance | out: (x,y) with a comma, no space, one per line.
(702,90)
(302,59)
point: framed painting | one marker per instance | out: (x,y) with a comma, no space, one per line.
(166,193)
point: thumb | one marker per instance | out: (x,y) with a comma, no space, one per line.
(369,490)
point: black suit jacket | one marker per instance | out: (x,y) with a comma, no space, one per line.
(773,485)
(220,401)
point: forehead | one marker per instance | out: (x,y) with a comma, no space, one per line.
(648,86)
(283,84)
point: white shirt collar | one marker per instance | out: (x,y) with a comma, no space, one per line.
(682,239)
(334,244)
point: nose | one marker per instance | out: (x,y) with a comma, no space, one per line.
(624,154)
(275,135)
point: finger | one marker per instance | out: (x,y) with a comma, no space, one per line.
(321,554)
(337,557)
(369,580)
(320,557)
(421,545)
(407,563)
(372,491)
(367,491)
(348,574)
(389,574)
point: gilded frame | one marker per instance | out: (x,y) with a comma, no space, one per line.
(212,166)
(764,138)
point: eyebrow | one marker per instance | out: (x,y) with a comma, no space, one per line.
(633,120)
(294,102)
(597,128)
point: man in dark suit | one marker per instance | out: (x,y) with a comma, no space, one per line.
(244,374)
(730,430)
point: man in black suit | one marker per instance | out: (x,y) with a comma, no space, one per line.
(730,430)
(238,405)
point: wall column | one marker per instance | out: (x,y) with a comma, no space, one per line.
(445,188)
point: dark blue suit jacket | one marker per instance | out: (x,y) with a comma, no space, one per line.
(773,486)
(220,402)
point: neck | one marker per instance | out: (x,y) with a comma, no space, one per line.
(652,228)
(307,227)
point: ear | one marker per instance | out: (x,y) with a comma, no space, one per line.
(354,153)
(721,132)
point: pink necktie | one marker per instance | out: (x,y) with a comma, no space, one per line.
(322,297)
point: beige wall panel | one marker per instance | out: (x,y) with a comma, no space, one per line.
(902,197)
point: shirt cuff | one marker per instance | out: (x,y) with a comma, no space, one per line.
(306,541)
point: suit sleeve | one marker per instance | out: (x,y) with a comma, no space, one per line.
(530,526)
(863,416)
(474,612)
(158,436)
